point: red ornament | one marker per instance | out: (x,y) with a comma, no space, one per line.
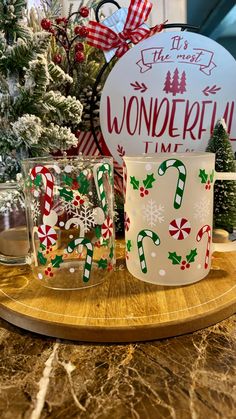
(57,58)
(77,29)
(46,24)
(79,57)
(79,47)
(83,31)
(84,11)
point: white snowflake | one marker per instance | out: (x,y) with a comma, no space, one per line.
(70,208)
(153,213)
(87,215)
(35,208)
(202,209)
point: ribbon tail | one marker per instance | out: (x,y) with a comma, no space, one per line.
(102,37)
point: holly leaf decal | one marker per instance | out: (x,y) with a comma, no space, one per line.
(98,232)
(175,259)
(83,184)
(102,263)
(191,257)
(111,254)
(42,260)
(212,176)
(128,245)
(134,182)
(56,262)
(38,180)
(147,183)
(203,175)
(42,246)
(66,194)
(67,179)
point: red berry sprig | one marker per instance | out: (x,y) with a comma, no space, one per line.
(84,11)
(46,24)
(57,58)
(79,57)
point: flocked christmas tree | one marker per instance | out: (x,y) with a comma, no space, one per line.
(35,117)
(224,191)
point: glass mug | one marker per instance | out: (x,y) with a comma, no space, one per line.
(69,212)
(168,216)
(14,244)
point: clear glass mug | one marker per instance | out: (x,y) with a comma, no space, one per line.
(69,212)
(14,243)
(168,216)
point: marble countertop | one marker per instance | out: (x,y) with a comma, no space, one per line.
(190,376)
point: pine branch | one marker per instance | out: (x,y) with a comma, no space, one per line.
(61,109)
(58,75)
(19,55)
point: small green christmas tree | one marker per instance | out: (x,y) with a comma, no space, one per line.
(224,191)
(35,117)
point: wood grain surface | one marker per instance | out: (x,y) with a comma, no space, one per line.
(122,308)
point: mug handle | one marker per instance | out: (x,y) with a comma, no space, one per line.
(224,247)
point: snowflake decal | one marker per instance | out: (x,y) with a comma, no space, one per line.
(35,208)
(70,208)
(202,209)
(153,213)
(87,216)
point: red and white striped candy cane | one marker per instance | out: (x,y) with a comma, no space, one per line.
(48,198)
(206,229)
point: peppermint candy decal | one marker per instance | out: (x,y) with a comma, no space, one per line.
(47,235)
(179,228)
(107,228)
(127,222)
(179,165)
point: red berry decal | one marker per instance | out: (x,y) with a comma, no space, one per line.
(146,192)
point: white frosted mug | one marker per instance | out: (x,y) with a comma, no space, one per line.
(168,216)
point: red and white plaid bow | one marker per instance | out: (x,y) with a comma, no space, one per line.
(104,38)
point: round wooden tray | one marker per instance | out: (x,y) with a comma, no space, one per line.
(121,309)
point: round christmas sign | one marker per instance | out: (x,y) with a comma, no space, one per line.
(166,94)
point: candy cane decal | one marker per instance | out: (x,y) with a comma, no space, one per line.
(206,229)
(181,178)
(48,199)
(89,257)
(142,234)
(99,171)
(77,222)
